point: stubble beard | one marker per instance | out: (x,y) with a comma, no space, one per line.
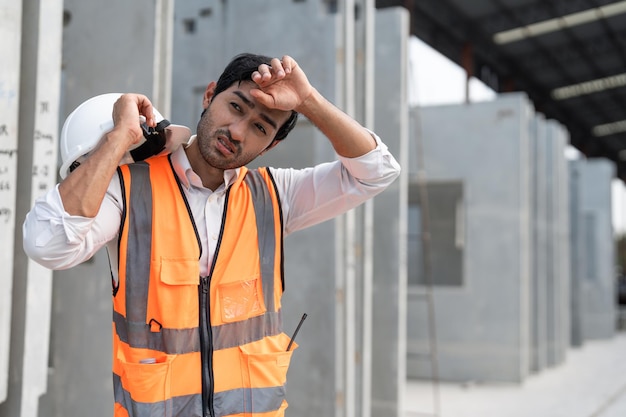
(207,138)
(213,157)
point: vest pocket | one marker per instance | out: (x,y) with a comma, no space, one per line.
(266,369)
(178,271)
(264,376)
(148,383)
(241,300)
(173,298)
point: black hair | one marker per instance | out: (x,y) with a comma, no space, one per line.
(240,69)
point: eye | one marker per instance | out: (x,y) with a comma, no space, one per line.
(236,106)
(260,127)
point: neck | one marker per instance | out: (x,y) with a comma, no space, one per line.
(211,177)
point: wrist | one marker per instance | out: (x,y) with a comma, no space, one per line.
(123,137)
(310,103)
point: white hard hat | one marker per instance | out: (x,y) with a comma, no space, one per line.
(92,119)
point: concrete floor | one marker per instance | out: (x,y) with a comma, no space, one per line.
(590,383)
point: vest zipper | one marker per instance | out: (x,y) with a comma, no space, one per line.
(206,349)
(206,334)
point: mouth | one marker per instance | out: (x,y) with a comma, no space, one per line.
(225,146)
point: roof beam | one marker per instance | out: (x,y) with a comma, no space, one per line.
(589,87)
(559,23)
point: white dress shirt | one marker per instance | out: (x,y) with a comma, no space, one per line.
(308,196)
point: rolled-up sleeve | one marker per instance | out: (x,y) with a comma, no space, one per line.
(376,167)
(313,195)
(58,240)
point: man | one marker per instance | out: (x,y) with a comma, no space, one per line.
(195,238)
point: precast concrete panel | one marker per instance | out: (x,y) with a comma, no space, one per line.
(312,41)
(594,281)
(215,29)
(10,33)
(539,255)
(558,244)
(390,217)
(97,59)
(38,133)
(80,342)
(576,253)
(310,261)
(482,325)
(561,137)
(46,99)
(207,36)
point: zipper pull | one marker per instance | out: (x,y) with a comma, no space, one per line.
(204,284)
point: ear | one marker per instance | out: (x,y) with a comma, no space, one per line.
(208,94)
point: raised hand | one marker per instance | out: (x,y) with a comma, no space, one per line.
(126,115)
(282,86)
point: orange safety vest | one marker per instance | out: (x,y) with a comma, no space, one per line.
(192,346)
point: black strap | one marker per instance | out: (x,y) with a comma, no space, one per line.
(155,141)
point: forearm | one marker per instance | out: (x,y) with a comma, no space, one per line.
(316,194)
(348,137)
(83,190)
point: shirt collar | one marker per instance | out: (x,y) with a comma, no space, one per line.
(186,175)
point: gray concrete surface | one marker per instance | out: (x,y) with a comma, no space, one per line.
(593,251)
(483,321)
(591,382)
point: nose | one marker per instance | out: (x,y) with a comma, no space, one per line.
(237,130)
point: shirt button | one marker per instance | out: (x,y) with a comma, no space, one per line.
(211,198)
(214,236)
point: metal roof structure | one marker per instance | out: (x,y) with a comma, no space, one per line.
(569,56)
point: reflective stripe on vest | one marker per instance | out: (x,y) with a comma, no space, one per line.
(228,402)
(138,336)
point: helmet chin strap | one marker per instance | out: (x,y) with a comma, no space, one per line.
(155,141)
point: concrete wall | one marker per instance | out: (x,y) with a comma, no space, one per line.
(483,325)
(99,60)
(96,60)
(539,243)
(559,277)
(312,374)
(207,34)
(593,251)
(538,256)
(326,372)
(39,93)
(10,32)
(390,219)
(550,244)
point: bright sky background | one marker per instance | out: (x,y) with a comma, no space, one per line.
(441,81)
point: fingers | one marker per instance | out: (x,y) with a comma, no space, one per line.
(127,112)
(288,63)
(277,70)
(145,109)
(132,106)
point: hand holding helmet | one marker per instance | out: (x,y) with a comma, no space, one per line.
(129,108)
(93,119)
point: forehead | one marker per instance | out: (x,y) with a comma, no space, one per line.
(241,91)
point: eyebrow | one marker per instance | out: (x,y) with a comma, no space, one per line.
(252,105)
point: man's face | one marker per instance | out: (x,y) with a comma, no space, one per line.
(236,128)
